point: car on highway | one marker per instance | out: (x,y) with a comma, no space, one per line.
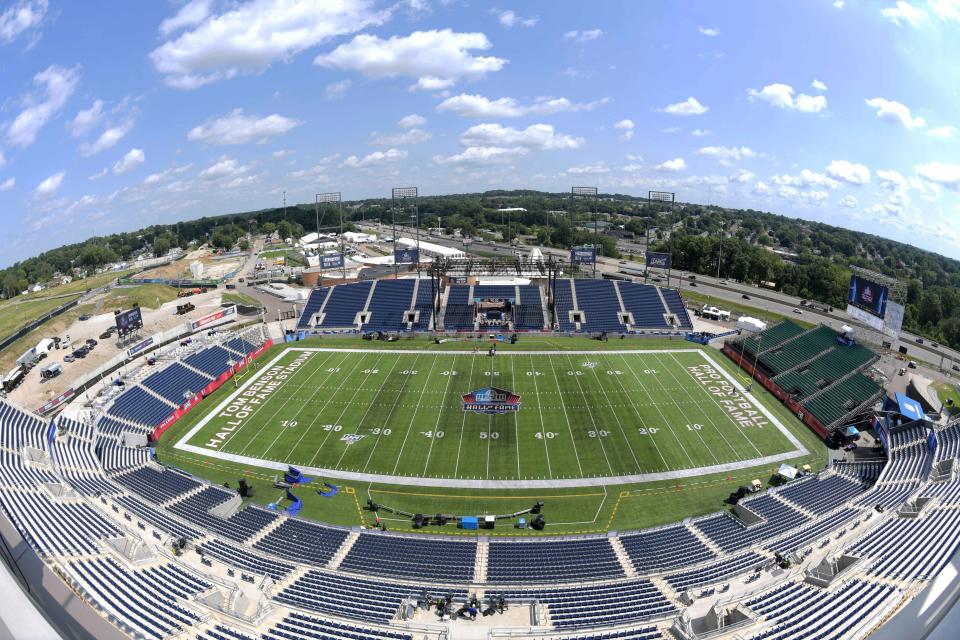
(911,365)
(956,367)
(799,312)
(935,344)
(693,284)
(919,340)
(745,296)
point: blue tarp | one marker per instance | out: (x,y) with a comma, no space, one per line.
(469,522)
(852,431)
(328,490)
(295,476)
(909,408)
(296,506)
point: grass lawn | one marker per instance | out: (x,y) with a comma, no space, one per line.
(242,299)
(946,392)
(416,407)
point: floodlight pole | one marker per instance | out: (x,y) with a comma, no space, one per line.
(720,257)
(589,193)
(664,196)
(326,198)
(398,196)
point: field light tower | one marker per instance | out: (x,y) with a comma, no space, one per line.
(662,197)
(325,199)
(405,212)
(590,194)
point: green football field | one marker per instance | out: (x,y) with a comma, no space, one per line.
(633,416)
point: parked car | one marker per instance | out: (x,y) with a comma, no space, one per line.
(69,358)
(91,342)
(106,335)
(912,365)
(84,317)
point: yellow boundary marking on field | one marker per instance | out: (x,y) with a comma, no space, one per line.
(478,497)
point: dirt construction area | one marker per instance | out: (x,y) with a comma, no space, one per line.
(34,391)
(214,267)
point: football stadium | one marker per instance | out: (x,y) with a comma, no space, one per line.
(640,349)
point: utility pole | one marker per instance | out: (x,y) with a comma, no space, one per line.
(284,205)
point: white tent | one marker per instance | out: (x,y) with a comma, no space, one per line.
(787,471)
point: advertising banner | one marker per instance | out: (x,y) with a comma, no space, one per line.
(583,255)
(140,346)
(56,402)
(658,260)
(893,320)
(129,321)
(334,261)
(865,317)
(406,256)
(214,318)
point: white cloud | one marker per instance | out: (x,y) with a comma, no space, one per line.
(477,106)
(3,160)
(224,167)
(904,12)
(50,185)
(481,156)
(583,35)
(129,162)
(155,178)
(594,169)
(890,179)
(99,174)
(411,121)
(761,189)
(410,136)
(781,95)
(806,178)
(510,19)
(536,136)
(108,139)
(711,32)
(839,4)
(336,90)
(282,153)
(742,176)
(86,120)
(437,58)
(726,156)
(850,202)
(892,111)
(689,107)
(54,86)
(190,15)
(677,164)
(943,132)
(238,128)
(819,86)
(847,171)
(375,158)
(248,38)
(700,133)
(941,173)
(626,126)
(8,184)
(946,9)
(20,18)
(672,130)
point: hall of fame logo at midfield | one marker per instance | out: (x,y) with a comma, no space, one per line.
(491,400)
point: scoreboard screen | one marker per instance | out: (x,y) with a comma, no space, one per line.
(128,321)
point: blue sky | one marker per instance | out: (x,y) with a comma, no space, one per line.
(116,115)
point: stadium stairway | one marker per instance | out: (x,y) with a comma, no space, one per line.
(158,396)
(628,569)
(669,593)
(480,563)
(194,369)
(663,301)
(794,505)
(180,497)
(262,533)
(702,537)
(342,552)
(616,290)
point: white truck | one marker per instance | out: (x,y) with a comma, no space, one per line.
(713,313)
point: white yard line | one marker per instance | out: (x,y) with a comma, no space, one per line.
(516,421)
(616,416)
(463,422)
(586,402)
(566,417)
(436,425)
(413,418)
(653,440)
(653,402)
(543,427)
(396,401)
